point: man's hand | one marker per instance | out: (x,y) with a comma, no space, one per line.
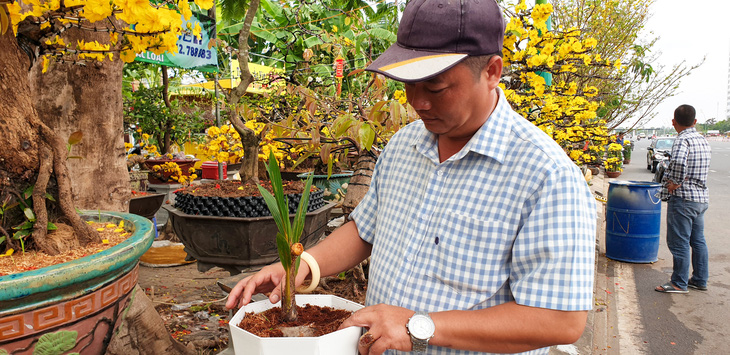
(267,279)
(386,328)
(671,186)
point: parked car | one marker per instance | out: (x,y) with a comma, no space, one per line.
(661,167)
(641,135)
(655,152)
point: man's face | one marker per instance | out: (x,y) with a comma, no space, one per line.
(453,104)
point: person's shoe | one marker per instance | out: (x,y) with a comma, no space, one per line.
(694,286)
(669,288)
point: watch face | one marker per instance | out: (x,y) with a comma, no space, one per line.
(421,327)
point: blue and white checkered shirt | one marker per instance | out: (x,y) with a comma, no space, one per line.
(509,217)
(688,166)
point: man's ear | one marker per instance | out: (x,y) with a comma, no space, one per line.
(493,71)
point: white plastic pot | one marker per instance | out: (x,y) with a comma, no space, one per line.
(341,342)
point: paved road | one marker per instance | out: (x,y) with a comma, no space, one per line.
(696,323)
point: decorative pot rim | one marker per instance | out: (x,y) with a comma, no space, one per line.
(153,161)
(16,286)
(148,194)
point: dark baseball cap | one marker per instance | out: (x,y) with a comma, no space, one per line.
(435,35)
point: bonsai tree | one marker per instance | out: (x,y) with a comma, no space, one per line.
(287,238)
(72,83)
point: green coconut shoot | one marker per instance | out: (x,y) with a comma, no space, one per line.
(289,232)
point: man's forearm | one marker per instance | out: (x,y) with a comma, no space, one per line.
(341,250)
(507,328)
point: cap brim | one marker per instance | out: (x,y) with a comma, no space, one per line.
(409,65)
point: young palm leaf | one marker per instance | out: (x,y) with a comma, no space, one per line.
(287,238)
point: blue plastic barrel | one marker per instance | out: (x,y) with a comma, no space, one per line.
(633,219)
(154,223)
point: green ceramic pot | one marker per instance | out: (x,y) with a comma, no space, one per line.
(73,306)
(334,186)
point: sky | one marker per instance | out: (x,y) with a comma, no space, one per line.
(690,30)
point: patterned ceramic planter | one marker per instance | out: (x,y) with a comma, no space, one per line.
(73,307)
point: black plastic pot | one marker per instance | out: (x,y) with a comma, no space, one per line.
(237,243)
(246,207)
(147,205)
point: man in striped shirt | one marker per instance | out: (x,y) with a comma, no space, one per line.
(685,187)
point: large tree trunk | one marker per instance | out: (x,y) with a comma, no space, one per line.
(19,158)
(24,136)
(88,98)
(359,182)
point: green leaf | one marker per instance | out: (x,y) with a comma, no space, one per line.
(75,137)
(2,239)
(3,352)
(56,343)
(29,214)
(274,10)
(281,200)
(28,193)
(273,207)
(383,34)
(302,210)
(50,197)
(348,34)
(25,225)
(341,124)
(312,41)
(21,234)
(284,250)
(367,136)
(264,34)
(51,227)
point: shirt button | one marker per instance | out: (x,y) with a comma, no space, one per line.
(440,173)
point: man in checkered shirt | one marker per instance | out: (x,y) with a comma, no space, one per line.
(684,185)
(480,229)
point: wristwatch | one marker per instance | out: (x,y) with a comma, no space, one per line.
(421,328)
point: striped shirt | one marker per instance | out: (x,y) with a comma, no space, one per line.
(509,217)
(688,167)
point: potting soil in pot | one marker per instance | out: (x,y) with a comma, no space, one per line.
(321,321)
(233,199)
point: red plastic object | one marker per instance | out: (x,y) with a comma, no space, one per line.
(210,170)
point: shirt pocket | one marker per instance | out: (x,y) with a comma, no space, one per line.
(472,256)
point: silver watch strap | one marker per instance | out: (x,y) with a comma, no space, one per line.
(419,345)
